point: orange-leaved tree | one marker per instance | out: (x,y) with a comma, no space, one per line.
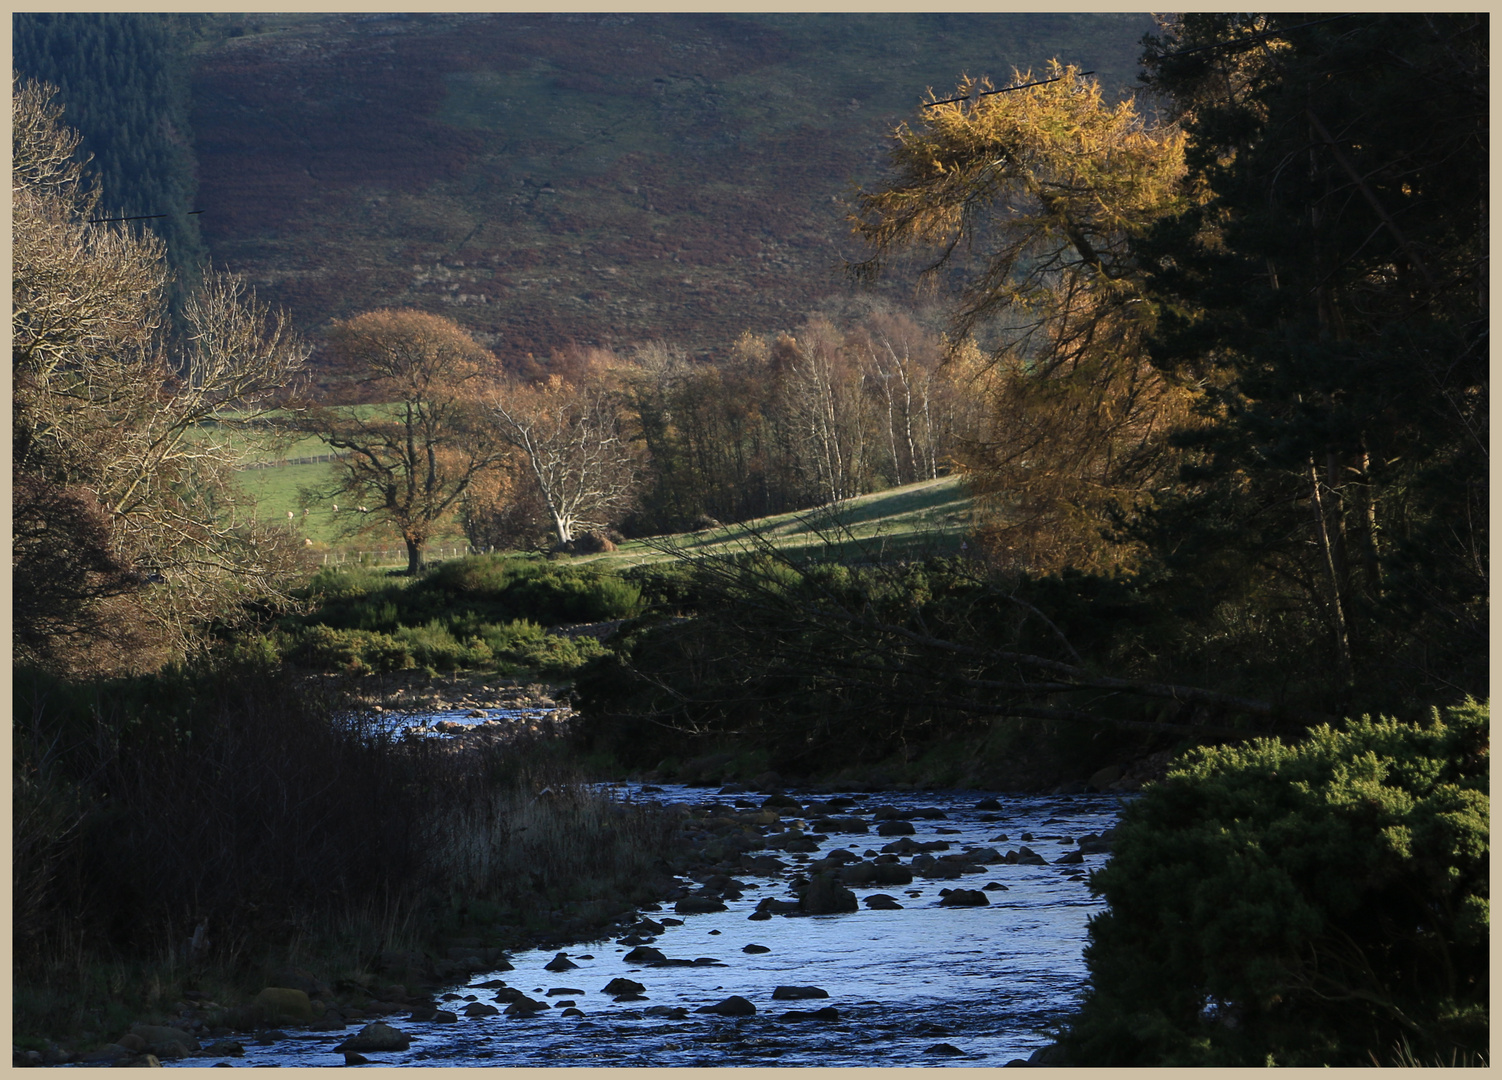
(413,452)
(1034,194)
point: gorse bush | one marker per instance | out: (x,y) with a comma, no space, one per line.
(1316,903)
(480,612)
(325,648)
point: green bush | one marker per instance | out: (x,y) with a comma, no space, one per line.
(434,645)
(1321,903)
(556,596)
(327,648)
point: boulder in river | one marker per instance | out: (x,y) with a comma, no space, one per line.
(756,949)
(644,954)
(698,904)
(842,824)
(826,896)
(479,1008)
(895,828)
(798,993)
(734,1005)
(561,962)
(161,1040)
(623,986)
(882,902)
(525,1007)
(929,867)
(374,1038)
(770,905)
(892,874)
(828,1012)
(965,898)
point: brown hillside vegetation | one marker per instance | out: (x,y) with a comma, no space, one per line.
(593,178)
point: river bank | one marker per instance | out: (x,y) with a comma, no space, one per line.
(382,966)
(943,927)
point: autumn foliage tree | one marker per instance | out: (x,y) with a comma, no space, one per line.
(410,457)
(1034,195)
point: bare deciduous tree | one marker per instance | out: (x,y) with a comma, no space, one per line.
(574,449)
(121,455)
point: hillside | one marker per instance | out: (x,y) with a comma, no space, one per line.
(596,178)
(930,517)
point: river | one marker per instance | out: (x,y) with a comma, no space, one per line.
(921,986)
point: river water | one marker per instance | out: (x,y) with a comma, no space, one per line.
(921,986)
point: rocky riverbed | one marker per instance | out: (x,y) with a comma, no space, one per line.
(857,928)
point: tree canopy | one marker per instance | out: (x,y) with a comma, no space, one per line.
(411,458)
(1031,195)
(1328,293)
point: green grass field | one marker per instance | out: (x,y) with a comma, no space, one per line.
(932,517)
(927,518)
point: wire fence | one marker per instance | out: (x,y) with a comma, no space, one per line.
(316,459)
(392,556)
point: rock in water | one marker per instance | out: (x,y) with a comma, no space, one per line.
(965,898)
(734,1005)
(376,1037)
(698,905)
(829,1012)
(160,1040)
(756,949)
(826,896)
(623,986)
(285,1003)
(882,902)
(561,962)
(642,954)
(798,993)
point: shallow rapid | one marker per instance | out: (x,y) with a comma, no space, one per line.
(921,986)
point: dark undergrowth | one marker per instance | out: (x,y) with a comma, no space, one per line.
(203,829)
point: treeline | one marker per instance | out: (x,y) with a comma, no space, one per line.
(781,421)
(124,81)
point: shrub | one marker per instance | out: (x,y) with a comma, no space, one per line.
(556,596)
(433,645)
(327,648)
(1319,903)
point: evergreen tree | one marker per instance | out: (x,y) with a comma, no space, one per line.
(1329,294)
(124,82)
